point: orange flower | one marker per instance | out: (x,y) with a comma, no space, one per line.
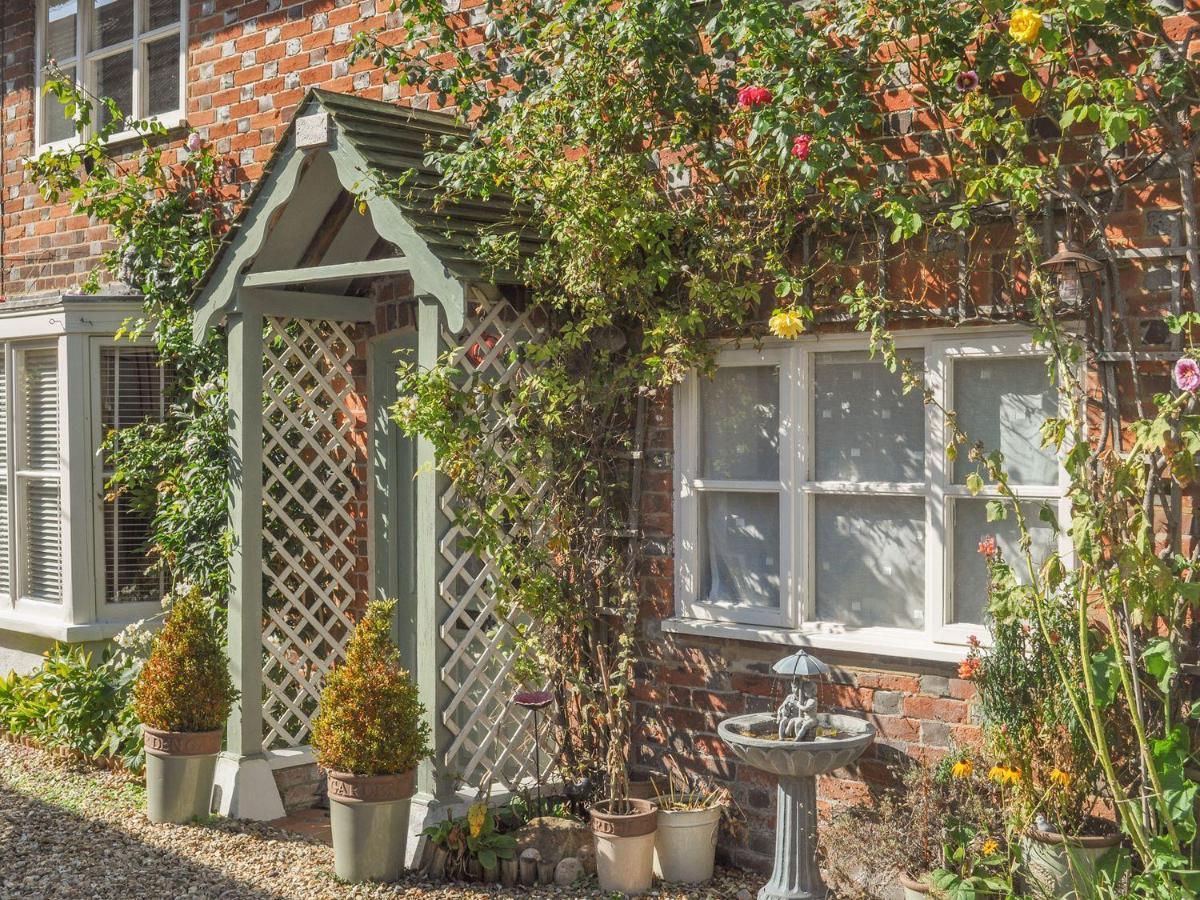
(970,667)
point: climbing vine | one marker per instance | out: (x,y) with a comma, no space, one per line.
(701,173)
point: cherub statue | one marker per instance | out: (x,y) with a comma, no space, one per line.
(795,715)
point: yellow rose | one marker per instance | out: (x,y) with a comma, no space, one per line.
(1025,25)
(787,323)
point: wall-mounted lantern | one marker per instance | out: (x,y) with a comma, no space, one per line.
(1070,264)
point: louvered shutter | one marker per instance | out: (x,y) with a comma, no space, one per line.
(131,391)
(38,476)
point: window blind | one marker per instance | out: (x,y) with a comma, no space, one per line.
(38,472)
(5,564)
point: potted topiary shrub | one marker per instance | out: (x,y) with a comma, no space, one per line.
(369,735)
(182,698)
(624,831)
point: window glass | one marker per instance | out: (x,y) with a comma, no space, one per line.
(866,427)
(971,526)
(162,85)
(161,13)
(61,18)
(739,549)
(114,80)
(739,424)
(870,560)
(38,469)
(5,567)
(1002,403)
(55,124)
(112,23)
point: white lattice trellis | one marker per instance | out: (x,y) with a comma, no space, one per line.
(491,738)
(308,523)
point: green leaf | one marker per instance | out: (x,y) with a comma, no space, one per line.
(1160,662)
(1105,675)
(974,483)
(996,511)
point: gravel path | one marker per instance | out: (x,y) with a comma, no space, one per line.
(68,832)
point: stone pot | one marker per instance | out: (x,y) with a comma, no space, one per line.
(624,834)
(179,773)
(1058,865)
(369,818)
(913,889)
(686,844)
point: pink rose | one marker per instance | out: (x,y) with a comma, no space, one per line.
(801,146)
(194,142)
(1187,375)
(751,96)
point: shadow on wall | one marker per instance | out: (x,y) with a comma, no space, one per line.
(52,852)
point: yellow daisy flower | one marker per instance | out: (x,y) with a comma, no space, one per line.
(962,769)
(1060,778)
(787,323)
(1025,25)
(990,846)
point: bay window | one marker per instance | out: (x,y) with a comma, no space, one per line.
(132,51)
(814,495)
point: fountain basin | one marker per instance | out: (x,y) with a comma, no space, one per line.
(840,741)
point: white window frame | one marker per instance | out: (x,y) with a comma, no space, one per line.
(85,62)
(941,347)
(108,607)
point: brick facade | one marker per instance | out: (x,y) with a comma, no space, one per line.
(249,65)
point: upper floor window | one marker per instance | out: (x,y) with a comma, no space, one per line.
(132,51)
(813,492)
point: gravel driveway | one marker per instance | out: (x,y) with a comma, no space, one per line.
(68,832)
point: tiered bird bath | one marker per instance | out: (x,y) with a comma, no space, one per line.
(769,742)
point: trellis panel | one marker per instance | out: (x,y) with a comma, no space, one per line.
(309,527)
(491,739)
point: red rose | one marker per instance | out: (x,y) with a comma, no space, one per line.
(752,95)
(801,146)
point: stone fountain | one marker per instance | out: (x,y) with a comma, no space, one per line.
(797,744)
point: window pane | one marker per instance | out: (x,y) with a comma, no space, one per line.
(162,91)
(60,30)
(55,124)
(43,541)
(870,559)
(1003,402)
(867,428)
(970,570)
(739,423)
(5,569)
(114,79)
(112,22)
(739,549)
(160,13)
(126,556)
(40,397)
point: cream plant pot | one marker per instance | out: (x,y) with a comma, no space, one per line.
(914,890)
(686,844)
(179,773)
(624,834)
(369,818)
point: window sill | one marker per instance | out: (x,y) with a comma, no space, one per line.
(62,631)
(876,642)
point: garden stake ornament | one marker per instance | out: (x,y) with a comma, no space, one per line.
(534,701)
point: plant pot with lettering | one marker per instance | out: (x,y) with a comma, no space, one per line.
(624,832)
(1058,865)
(369,735)
(182,697)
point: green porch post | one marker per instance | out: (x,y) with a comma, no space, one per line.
(245,785)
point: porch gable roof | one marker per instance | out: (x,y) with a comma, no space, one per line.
(369,142)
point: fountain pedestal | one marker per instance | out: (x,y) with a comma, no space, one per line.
(754,741)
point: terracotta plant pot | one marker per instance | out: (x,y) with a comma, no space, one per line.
(179,773)
(624,834)
(913,889)
(1058,865)
(686,844)
(369,818)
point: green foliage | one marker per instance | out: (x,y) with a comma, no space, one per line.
(185,684)
(475,836)
(371,720)
(75,703)
(166,218)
